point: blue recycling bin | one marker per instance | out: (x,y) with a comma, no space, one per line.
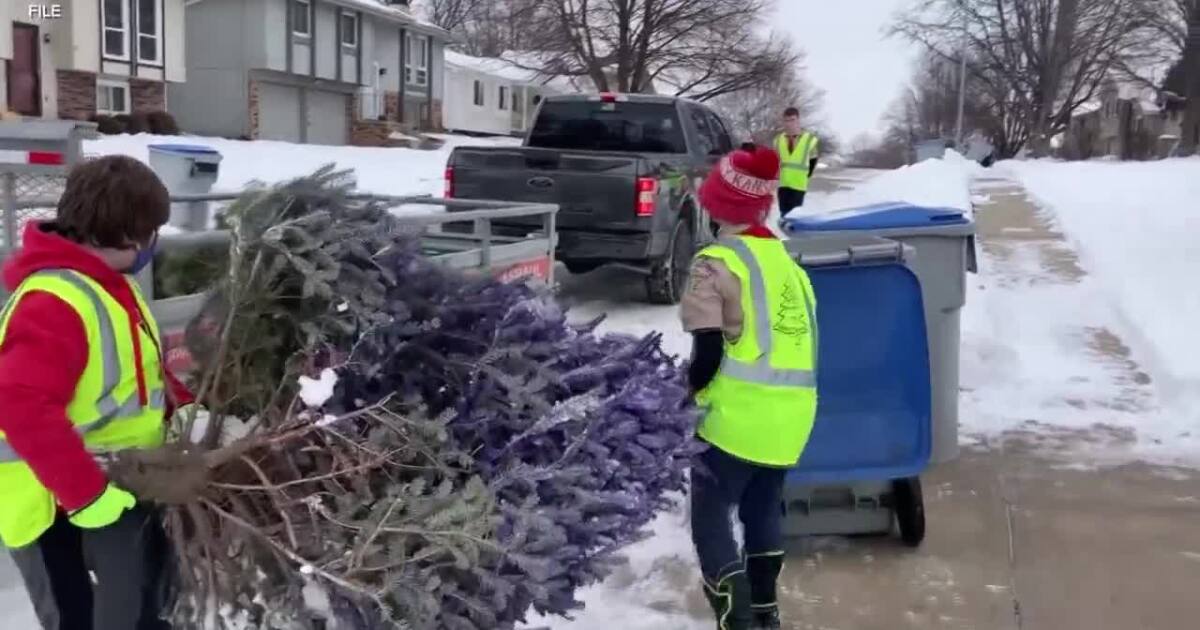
(873,413)
(890,280)
(943,243)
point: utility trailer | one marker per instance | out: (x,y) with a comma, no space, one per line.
(476,250)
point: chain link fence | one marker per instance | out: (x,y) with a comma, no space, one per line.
(26,197)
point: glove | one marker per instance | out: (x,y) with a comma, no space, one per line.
(105,510)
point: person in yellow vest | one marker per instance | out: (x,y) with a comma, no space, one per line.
(798,150)
(751,312)
(81,374)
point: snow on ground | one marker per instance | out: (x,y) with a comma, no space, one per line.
(380,170)
(1032,348)
(935,183)
(1136,228)
(1133,227)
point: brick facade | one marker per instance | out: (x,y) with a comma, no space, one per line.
(391,105)
(147,96)
(374,133)
(76,94)
(435,121)
(252,110)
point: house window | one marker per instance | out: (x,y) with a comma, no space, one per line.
(502,102)
(112,97)
(350,30)
(302,18)
(115,24)
(479,93)
(416,63)
(516,102)
(149,31)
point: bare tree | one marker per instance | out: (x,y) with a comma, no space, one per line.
(452,15)
(1159,41)
(1033,62)
(696,48)
(485,28)
(755,113)
(1189,69)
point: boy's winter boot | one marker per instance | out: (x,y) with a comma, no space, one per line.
(730,601)
(762,571)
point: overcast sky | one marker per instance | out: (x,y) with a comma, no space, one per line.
(860,71)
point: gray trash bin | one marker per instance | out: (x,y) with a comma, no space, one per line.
(944,243)
(187,169)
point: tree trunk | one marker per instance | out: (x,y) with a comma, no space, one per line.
(1190,138)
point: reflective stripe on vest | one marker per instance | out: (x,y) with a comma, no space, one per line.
(108,405)
(761,372)
(761,404)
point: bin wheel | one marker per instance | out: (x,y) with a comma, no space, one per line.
(910,510)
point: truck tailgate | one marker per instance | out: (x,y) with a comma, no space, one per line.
(591,189)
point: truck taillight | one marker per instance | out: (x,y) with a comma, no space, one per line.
(647,196)
(449,177)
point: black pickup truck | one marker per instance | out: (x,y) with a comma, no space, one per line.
(624,170)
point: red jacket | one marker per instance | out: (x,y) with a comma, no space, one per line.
(42,358)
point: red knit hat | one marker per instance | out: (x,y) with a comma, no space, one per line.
(741,188)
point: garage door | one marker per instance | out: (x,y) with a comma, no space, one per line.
(279,112)
(328,120)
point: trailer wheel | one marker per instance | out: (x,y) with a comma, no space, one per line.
(909,503)
(669,275)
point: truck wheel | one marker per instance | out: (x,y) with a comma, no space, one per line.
(909,503)
(669,276)
(581,266)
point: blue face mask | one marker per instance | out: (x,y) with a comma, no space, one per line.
(145,256)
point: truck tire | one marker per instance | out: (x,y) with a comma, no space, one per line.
(669,275)
(578,267)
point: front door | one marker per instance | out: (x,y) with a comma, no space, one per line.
(24,77)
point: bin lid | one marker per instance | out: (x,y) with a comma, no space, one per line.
(880,216)
(185,149)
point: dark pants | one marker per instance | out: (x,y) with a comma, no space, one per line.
(790,198)
(722,483)
(97,579)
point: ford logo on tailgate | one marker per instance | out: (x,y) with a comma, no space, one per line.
(540,182)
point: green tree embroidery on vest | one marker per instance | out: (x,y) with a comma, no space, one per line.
(791,320)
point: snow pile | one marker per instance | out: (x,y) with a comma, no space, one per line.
(1135,227)
(379,170)
(937,183)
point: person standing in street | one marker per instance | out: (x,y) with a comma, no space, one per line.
(798,150)
(751,312)
(82,374)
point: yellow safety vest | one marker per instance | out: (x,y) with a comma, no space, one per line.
(105,408)
(793,167)
(762,402)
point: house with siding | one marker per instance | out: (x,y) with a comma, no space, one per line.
(1126,122)
(314,71)
(77,59)
(494,96)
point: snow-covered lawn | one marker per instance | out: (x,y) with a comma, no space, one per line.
(384,171)
(1136,227)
